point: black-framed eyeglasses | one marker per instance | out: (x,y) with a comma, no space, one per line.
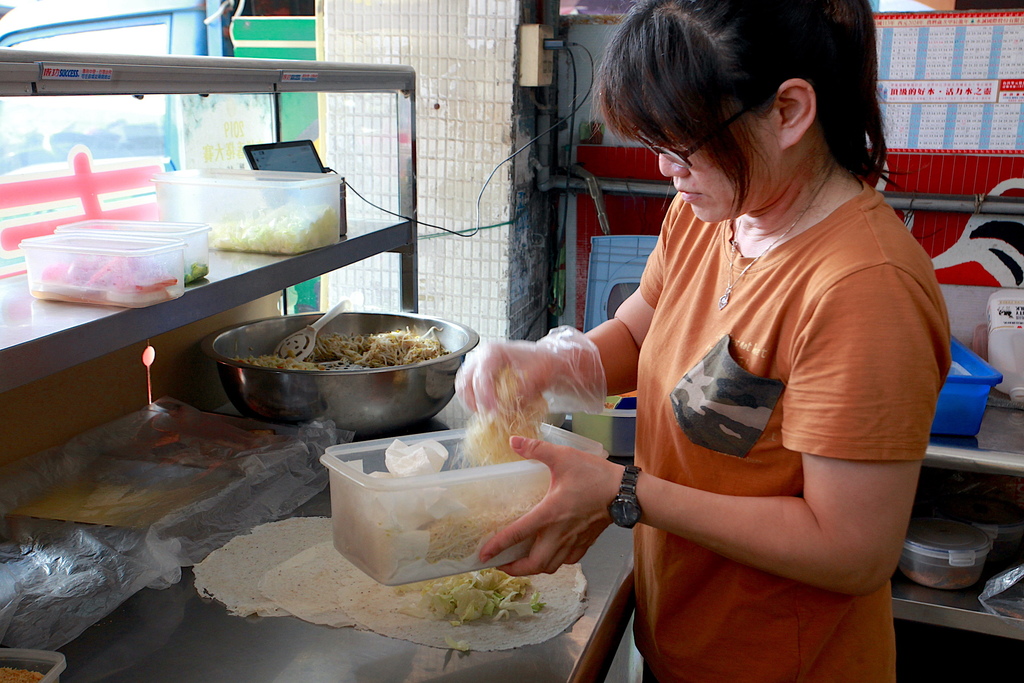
(682,156)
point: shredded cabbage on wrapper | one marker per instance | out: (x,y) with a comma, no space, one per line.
(489,593)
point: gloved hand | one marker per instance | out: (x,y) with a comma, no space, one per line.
(565,367)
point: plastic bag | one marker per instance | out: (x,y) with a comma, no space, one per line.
(126,505)
(1004,595)
(71,575)
(564,366)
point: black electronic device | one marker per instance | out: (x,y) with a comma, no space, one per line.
(297,156)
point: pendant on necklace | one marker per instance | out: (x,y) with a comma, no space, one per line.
(723,300)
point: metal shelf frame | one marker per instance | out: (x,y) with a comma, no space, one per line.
(998,448)
(53,336)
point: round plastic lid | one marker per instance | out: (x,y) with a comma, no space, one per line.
(975,509)
(961,544)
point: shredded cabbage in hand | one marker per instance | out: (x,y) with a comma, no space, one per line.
(471,596)
(487,434)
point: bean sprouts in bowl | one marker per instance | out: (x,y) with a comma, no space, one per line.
(368,401)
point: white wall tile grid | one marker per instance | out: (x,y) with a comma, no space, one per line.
(463,52)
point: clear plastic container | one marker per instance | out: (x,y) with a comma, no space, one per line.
(1006,340)
(403,529)
(111,270)
(942,553)
(267,212)
(196,237)
(1001,520)
(45,662)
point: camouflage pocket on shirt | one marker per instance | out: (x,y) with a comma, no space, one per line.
(721,406)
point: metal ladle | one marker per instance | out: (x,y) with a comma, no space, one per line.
(299,345)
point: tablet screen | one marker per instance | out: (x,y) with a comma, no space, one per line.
(299,156)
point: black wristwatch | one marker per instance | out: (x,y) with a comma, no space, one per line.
(625,508)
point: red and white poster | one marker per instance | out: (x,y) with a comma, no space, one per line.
(952,91)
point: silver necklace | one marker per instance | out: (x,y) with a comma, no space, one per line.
(723,300)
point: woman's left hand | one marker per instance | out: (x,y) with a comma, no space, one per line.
(569,518)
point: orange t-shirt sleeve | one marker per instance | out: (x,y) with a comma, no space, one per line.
(868,366)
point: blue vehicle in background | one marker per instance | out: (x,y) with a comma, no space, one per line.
(37,134)
(178,27)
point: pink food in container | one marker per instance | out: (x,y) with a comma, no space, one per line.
(105,269)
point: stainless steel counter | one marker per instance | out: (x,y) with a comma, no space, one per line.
(175,636)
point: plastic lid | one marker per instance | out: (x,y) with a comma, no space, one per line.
(159,227)
(975,509)
(243,178)
(99,242)
(961,544)
(1017,394)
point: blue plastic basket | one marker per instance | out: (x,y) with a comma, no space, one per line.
(964,396)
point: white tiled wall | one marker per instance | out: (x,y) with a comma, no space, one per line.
(463,52)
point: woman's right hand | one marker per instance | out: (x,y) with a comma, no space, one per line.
(564,366)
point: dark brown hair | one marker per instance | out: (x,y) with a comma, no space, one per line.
(676,69)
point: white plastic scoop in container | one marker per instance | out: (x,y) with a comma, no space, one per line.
(299,345)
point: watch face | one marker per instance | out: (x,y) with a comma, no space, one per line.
(624,512)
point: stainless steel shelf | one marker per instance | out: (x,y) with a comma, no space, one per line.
(998,448)
(952,609)
(39,338)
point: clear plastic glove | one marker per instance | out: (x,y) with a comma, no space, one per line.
(565,367)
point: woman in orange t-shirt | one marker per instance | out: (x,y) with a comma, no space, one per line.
(788,343)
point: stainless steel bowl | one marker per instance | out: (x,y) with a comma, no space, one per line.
(367,401)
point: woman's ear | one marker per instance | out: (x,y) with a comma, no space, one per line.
(796,106)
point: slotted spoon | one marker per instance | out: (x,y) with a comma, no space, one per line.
(299,345)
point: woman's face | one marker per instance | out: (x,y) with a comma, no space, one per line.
(710,193)
(704,187)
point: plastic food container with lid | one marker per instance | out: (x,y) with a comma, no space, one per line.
(46,662)
(269,212)
(942,553)
(108,269)
(1001,520)
(403,529)
(194,235)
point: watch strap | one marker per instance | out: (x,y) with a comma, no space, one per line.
(629,478)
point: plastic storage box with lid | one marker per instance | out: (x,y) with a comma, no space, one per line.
(403,529)
(1001,520)
(194,235)
(964,394)
(269,212)
(942,553)
(46,662)
(107,269)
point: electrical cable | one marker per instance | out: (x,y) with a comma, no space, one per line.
(570,116)
(472,232)
(557,302)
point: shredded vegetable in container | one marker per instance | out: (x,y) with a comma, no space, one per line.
(289,229)
(345,351)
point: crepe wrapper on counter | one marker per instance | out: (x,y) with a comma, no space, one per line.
(266,572)
(126,505)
